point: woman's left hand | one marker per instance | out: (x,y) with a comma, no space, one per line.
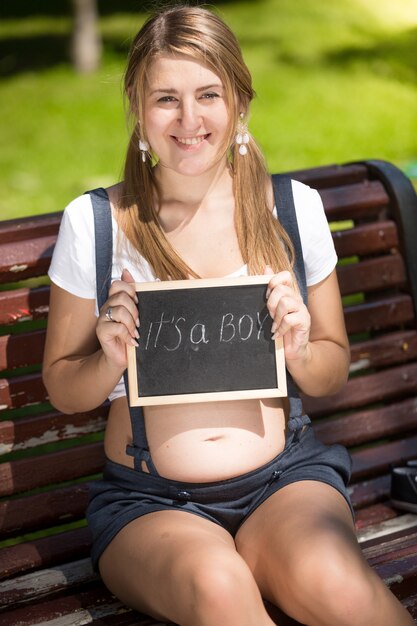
(291,319)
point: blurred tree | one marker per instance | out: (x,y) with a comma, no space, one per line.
(86,40)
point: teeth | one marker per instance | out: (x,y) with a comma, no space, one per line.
(190,141)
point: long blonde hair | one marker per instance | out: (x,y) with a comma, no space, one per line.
(203,36)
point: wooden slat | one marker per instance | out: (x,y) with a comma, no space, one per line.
(376,460)
(43,510)
(400,575)
(358,201)
(24,304)
(388,384)
(68,610)
(131,618)
(28,259)
(397,540)
(382,272)
(400,526)
(51,427)
(90,606)
(45,552)
(331,175)
(370,425)
(26,228)
(398,529)
(366,239)
(368,492)
(398,546)
(21,391)
(389,349)
(373,515)
(55,467)
(410,603)
(21,350)
(380,314)
(29,587)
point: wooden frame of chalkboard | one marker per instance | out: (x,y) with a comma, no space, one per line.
(205,340)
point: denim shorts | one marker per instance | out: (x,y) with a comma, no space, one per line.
(125,494)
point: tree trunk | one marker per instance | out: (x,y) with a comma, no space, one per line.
(86,40)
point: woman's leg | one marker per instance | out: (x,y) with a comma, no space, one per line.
(181,567)
(301,547)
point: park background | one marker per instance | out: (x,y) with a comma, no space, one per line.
(336,81)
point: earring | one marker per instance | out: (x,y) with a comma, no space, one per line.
(242,135)
(143,147)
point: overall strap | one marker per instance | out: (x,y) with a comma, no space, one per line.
(103,242)
(284,202)
(104,259)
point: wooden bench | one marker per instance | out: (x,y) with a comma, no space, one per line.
(49,459)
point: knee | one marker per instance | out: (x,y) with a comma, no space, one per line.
(348,591)
(216,586)
(335,584)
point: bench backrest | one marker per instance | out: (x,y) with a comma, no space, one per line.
(49,458)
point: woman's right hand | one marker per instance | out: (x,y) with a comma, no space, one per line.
(115,335)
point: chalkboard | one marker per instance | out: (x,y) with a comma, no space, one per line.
(202,340)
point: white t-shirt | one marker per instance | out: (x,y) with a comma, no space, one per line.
(73,262)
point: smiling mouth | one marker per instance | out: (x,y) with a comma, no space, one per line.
(191,141)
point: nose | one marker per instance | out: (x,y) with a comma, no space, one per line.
(190,117)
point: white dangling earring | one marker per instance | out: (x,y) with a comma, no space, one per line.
(242,135)
(144,148)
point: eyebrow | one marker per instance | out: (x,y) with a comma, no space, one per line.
(172,91)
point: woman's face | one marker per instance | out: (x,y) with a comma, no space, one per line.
(185,115)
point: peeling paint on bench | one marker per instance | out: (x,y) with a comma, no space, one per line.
(397,524)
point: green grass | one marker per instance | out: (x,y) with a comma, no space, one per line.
(336,81)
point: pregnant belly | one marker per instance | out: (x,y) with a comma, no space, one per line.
(203,442)
(209,443)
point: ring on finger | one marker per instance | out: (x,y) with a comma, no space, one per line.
(108,314)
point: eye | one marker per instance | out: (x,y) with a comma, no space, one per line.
(210,95)
(166,99)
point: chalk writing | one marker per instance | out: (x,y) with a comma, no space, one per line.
(171,332)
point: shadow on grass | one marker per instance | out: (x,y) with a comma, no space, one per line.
(393,57)
(396,56)
(33,53)
(41,52)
